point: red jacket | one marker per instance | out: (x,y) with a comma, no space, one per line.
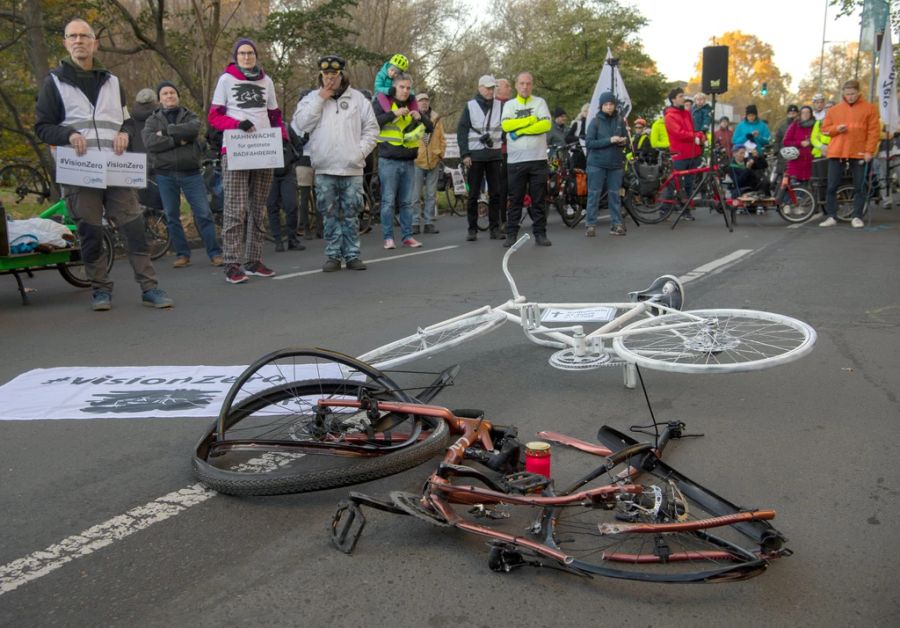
(800,168)
(680,127)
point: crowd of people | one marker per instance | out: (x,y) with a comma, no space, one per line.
(503,134)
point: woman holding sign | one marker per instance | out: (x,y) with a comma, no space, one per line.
(243,103)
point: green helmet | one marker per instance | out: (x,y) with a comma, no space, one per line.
(400,61)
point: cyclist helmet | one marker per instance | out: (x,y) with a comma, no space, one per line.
(790,153)
(400,61)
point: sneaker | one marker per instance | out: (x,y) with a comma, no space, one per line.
(416,229)
(156,298)
(617,230)
(590,232)
(101,301)
(541,240)
(234,274)
(472,236)
(217,260)
(787,210)
(828,222)
(279,247)
(857,223)
(412,243)
(688,216)
(259,270)
(356,264)
(181,261)
(332,264)
(296,245)
(389,244)
(431,229)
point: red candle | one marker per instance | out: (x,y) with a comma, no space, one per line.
(537,458)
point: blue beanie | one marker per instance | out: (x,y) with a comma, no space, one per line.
(606,97)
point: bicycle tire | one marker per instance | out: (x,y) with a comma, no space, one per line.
(846,195)
(573,215)
(278,439)
(484,216)
(645,209)
(721,341)
(660,534)
(279,467)
(74,273)
(803,207)
(156,229)
(430,340)
(24,180)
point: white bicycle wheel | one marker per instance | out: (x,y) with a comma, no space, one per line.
(430,340)
(718,341)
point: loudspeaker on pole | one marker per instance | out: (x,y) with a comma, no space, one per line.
(715,69)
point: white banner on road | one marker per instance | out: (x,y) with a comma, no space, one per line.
(130,392)
(88,170)
(254,151)
(128,170)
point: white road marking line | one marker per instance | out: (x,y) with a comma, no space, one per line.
(23,570)
(714,265)
(371,261)
(40,563)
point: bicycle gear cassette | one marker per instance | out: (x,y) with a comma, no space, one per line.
(566,360)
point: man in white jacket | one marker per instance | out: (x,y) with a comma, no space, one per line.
(342,132)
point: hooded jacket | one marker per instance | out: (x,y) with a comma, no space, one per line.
(342,130)
(238,98)
(796,134)
(745,128)
(863,126)
(680,128)
(52,111)
(602,153)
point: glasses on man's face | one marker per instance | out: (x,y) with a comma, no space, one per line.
(246,53)
(75,36)
(330,65)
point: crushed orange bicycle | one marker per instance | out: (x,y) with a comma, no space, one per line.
(631,517)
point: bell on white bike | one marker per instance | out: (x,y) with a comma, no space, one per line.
(790,153)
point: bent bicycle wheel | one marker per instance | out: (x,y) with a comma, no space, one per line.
(430,340)
(653,531)
(715,341)
(276,434)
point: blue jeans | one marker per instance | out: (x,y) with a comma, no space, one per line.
(339,199)
(170,188)
(835,178)
(609,179)
(427,180)
(396,177)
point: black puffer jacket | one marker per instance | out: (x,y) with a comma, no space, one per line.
(173,147)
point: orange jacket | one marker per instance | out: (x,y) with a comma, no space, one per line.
(863,126)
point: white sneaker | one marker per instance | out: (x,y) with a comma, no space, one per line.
(857,223)
(828,222)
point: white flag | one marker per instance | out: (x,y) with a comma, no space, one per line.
(610,81)
(887,84)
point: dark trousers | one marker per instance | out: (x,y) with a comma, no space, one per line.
(835,176)
(528,177)
(480,171)
(283,194)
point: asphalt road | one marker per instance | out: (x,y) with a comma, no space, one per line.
(816,439)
